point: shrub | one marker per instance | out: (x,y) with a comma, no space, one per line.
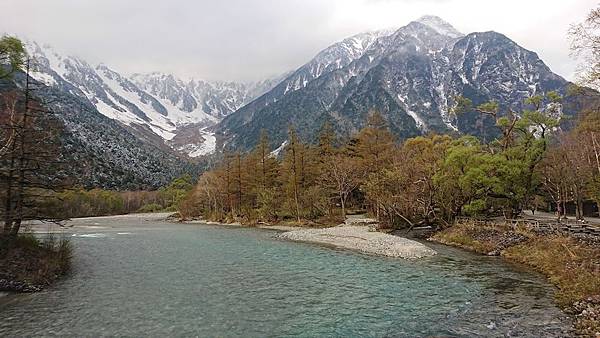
(152,207)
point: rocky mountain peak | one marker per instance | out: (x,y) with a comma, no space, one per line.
(411,76)
(160,106)
(439,25)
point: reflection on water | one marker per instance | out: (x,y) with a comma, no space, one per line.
(158,279)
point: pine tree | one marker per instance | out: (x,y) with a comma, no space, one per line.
(12,56)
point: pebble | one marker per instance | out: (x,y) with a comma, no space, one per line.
(361,239)
(18,286)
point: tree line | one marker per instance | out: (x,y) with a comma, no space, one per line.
(430,179)
(79,202)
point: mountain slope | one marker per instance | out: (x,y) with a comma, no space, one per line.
(100,152)
(411,76)
(332,58)
(159,108)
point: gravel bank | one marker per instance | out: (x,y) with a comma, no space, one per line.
(361,239)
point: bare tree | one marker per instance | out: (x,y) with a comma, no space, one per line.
(585,45)
(344,175)
(29,155)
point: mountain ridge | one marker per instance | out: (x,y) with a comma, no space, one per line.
(412,76)
(153,104)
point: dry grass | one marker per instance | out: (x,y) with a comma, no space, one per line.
(34,261)
(468,236)
(571,264)
(574,267)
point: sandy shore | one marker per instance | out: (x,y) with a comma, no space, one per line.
(359,238)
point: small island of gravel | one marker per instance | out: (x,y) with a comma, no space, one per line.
(360,238)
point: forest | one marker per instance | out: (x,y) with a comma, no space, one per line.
(79,202)
(535,163)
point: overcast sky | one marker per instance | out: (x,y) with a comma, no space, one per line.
(254,39)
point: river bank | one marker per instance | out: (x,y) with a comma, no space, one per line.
(360,238)
(356,233)
(29,264)
(570,263)
(146,276)
(42,254)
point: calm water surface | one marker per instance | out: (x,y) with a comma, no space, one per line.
(137,276)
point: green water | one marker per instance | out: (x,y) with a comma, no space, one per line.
(150,278)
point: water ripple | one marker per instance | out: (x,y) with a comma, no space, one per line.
(181,280)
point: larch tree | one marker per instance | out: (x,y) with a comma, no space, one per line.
(29,156)
(374,147)
(292,167)
(266,183)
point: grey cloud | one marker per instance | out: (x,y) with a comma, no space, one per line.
(226,39)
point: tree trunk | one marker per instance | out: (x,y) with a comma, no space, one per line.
(343,203)
(8,202)
(20,196)
(297,204)
(295,172)
(596,151)
(579,206)
(564,204)
(8,218)
(239,167)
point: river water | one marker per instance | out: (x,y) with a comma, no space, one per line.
(141,276)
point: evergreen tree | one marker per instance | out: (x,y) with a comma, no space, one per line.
(12,56)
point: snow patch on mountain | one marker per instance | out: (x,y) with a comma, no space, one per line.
(207,147)
(418,120)
(163,103)
(440,26)
(276,152)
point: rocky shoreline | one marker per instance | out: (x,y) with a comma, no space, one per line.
(569,262)
(360,238)
(356,233)
(15,286)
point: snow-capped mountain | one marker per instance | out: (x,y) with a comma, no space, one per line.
(217,99)
(411,75)
(98,151)
(159,107)
(334,57)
